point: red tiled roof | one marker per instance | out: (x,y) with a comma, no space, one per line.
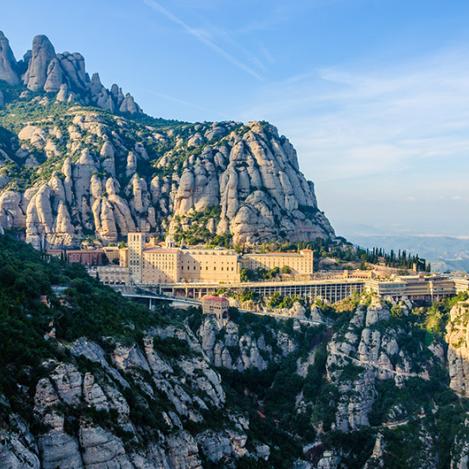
(221,299)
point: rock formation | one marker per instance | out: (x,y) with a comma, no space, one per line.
(242,181)
(63,75)
(108,174)
(115,386)
(457,336)
(38,72)
(8,65)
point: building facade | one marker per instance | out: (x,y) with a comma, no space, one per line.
(415,287)
(87,257)
(160,265)
(300,263)
(135,247)
(154,265)
(217,305)
(113,275)
(208,265)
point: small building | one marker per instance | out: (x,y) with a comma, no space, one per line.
(217,305)
(113,275)
(86,257)
(44,299)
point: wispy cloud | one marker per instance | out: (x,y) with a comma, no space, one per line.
(355,121)
(185,103)
(383,141)
(204,37)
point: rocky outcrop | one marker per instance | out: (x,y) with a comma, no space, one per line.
(226,347)
(189,390)
(364,353)
(108,174)
(109,433)
(42,54)
(457,336)
(62,75)
(111,179)
(8,65)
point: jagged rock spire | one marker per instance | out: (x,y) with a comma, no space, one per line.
(43,53)
(64,74)
(8,65)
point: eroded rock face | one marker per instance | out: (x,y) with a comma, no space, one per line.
(247,184)
(43,53)
(110,175)
(8,65)
(161,402)
(457,336)
(226,347)
(363,354)
(93,439)
(63,74)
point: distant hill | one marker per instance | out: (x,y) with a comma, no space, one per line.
(445,253)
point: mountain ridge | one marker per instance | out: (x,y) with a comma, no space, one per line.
(70,170)
(43,70)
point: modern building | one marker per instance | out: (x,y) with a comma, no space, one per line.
(461,284)
(415,287)
(331,290)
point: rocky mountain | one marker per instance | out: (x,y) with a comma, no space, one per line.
(78,160)
(64,75)
(94,381)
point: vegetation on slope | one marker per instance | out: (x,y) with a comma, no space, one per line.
(78,305)
(83,307)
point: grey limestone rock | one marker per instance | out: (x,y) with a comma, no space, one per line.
(8,65)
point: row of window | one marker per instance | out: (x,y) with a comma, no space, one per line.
(206,268)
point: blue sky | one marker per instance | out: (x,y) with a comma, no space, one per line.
(374,94)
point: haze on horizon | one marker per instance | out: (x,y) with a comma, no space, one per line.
(373,94)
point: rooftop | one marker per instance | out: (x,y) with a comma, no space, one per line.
(219,299)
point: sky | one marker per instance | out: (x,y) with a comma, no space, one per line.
(373,94)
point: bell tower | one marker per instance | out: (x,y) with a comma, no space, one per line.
(136,244)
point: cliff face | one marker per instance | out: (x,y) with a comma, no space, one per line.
(457,336)
(109,412)
(375,391)
(70,171)
(163,403)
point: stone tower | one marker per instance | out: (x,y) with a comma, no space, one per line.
(136,244)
